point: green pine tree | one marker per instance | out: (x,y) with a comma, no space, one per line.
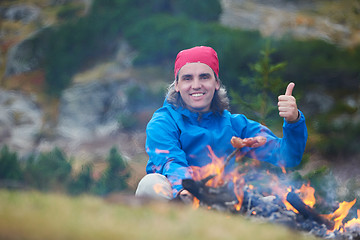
(115,176)
(83,182)
(48,171)
(259,101)
(10,168)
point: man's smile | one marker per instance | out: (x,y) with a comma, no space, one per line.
(197,94)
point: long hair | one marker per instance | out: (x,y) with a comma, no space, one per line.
(219,103)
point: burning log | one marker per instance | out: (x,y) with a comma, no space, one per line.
(307,211)
(220,196)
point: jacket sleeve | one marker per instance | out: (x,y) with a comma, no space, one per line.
(286,151)
(293,143)
(164,149)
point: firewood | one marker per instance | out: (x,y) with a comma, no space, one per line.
(307,211)
(210,196)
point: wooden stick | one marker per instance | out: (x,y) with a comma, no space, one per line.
(307,211)
(227,160)
(231,156)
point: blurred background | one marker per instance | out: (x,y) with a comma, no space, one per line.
(80,79)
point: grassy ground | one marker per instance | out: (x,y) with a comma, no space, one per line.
(31,215)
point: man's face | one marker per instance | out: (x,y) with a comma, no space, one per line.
(196,85)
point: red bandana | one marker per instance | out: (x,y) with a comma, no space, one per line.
(200,54)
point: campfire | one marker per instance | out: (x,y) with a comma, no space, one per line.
(266,196)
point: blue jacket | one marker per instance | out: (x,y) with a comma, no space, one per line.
(178,138)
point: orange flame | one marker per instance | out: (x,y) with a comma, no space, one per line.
(307,194)
(340,213)
(216,167)
(239,183)
(196,203)
(355,222)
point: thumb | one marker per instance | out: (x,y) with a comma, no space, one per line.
(290,89)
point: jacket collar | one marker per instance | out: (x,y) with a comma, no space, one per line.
(186,112)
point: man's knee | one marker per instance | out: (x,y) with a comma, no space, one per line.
(154,186)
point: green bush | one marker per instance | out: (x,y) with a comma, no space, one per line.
(77,44)
(115,176)
(160,37)
(338,138)
(69,11)
(205,11)
(71,47)
(10,168)
(315,62)
(52,171)
(48,171)
(83,182)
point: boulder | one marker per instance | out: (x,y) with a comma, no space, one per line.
(20,121)
(90,110)
(25,13)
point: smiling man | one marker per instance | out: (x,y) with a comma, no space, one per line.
(195,117)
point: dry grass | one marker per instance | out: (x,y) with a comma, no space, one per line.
(31,215)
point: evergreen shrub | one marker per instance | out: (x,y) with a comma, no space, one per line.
(10,168)
(200,10)
(115,176)
(52,171)
(339,139)
(48,171)
(69,11)
(83,182)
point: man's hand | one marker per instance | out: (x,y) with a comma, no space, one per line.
(287,105)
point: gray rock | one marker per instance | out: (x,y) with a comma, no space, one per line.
(91,109)
(25,13)
(20,121)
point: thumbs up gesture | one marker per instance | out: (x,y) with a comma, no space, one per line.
(287,105)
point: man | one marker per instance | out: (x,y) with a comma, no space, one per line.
(195,116)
